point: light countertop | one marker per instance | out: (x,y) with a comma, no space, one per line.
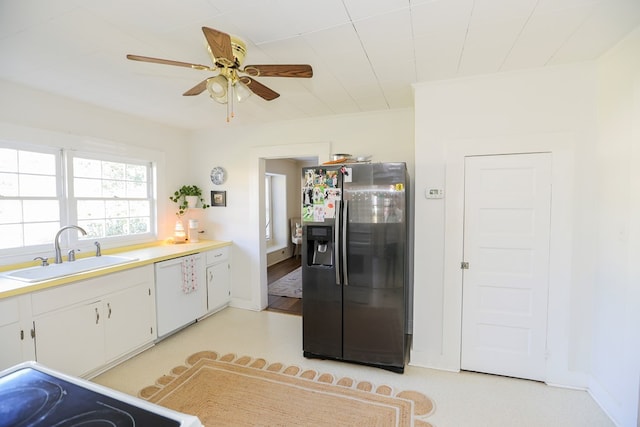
(143,254)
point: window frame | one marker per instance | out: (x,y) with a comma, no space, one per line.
(67,204)
(72,200)
(268,196)
(59,185)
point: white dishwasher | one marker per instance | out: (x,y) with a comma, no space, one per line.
(181,292)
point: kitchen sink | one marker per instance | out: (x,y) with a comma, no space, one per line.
(52,271)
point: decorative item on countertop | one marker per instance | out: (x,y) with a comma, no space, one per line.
(179,235)
(187,197)
(193,231)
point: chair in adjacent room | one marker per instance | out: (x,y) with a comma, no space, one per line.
(296,235)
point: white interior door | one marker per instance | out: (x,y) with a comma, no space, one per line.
(506,245)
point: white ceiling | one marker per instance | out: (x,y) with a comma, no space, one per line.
(365,53)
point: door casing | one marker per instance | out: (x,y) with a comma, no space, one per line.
(562,146)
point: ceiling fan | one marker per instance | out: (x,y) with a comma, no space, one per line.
(233,82)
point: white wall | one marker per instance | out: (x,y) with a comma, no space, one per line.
(588,116)
(28,115)
(387,136)
(615,353)
(550,110)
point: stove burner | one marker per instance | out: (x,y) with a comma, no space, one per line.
(24,403)
(102,417)
(31,398)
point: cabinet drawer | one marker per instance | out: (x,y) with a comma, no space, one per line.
(89,289)
(217,255)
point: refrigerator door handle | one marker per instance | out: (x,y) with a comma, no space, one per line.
(345,216)
(336,239)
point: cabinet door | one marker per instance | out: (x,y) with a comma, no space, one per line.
(218,286)
(11,353)
(129,321)
(11,334)
(71,340)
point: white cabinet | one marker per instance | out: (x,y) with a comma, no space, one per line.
(130,320)
(71,339)
(86,325)
(218,279)
(181,292)
(15,335)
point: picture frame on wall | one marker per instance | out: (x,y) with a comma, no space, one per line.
(218,198)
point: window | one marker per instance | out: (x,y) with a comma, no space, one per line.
(110,197)
(276,223)
(30,208)
(268,210)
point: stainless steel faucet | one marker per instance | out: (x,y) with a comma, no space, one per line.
(56,241)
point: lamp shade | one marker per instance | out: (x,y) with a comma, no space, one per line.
(241,91)
(217,88)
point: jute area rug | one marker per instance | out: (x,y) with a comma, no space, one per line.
(242,391)
(289,285)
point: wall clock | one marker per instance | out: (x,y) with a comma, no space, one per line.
(218,175)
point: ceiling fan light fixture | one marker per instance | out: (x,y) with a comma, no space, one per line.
(233,83)
(241,91)
(217,88)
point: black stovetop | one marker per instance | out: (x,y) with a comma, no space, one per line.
(29,397)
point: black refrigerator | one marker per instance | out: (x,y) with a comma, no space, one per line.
(355,268)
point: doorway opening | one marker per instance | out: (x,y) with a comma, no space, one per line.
(276,263)
(282,204)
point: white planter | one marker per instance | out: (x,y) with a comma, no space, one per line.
(192,201)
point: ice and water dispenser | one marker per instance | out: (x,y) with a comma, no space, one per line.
(319,245)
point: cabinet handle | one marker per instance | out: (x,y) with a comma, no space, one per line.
(21,334)
(211,276)
(109,307)
(97,316)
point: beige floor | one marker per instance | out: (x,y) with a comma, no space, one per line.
(462,399)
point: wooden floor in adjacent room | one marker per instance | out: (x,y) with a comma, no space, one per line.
(284,304)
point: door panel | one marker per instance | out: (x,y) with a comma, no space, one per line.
(218,277)
(506,243)
(374,294)
(128,320)
(71,340)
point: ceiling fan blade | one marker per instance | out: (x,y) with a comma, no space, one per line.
(280,70)
(220,44)
(259,89)
(197,89)
(169,62)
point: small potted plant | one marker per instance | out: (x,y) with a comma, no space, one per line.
(187,197)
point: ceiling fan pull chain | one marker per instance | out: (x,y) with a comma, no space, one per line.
(230,96)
